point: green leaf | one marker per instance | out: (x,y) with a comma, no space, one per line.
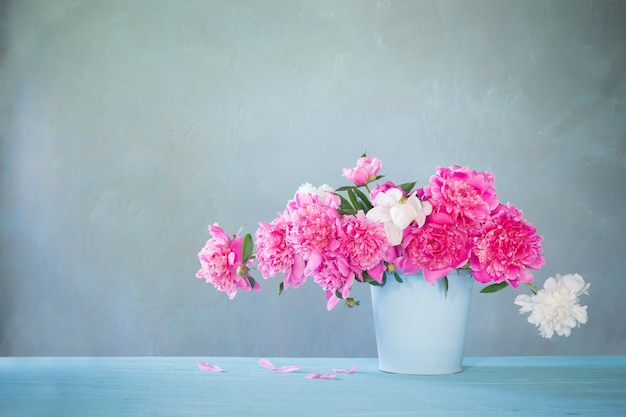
(353,199)
(445,283)
(364,199)
(408,186)
(494,287)
(397,277)
(246,248)
(345,204)
(346,188)
(281,288)
(349,212)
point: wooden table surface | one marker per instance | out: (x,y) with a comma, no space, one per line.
(592,386)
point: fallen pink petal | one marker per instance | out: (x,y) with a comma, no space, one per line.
(269,365)
(346,371)
(207,367)
(320,376)
(266,364)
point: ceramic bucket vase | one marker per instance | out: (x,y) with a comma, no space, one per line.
(420,329)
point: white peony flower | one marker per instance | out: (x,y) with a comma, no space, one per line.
(556,307)
(325,192)
(397,212)
(308,188)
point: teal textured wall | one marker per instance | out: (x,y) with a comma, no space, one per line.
(129,126)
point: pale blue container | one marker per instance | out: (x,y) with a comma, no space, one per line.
(420,330)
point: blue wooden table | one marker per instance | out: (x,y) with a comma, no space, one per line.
(174,386)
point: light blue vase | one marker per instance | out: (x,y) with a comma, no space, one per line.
(419,329)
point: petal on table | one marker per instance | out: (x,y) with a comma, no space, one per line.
(269,365)
(346,371)
(207,367)
(320,376)
(289,368)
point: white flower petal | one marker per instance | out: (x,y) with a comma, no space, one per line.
(422,209)
(550,284)
(427,208)
(402,215)
(389,198)
(394,234)
(306,188)
(573,282)
(321,191)
(379,214)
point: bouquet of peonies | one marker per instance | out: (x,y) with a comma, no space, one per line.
(367,233)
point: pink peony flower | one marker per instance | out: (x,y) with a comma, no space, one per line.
(363,242)
(221,260)
(274,255)
(507,249)
(312,228)
(437,248)
(334,274)
(365,171)
(466,195)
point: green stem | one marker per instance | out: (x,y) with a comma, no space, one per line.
(535,288)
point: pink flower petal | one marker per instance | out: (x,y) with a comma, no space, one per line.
(268,365)
(207,367)
(320,376)
(346,371)
(290,368)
